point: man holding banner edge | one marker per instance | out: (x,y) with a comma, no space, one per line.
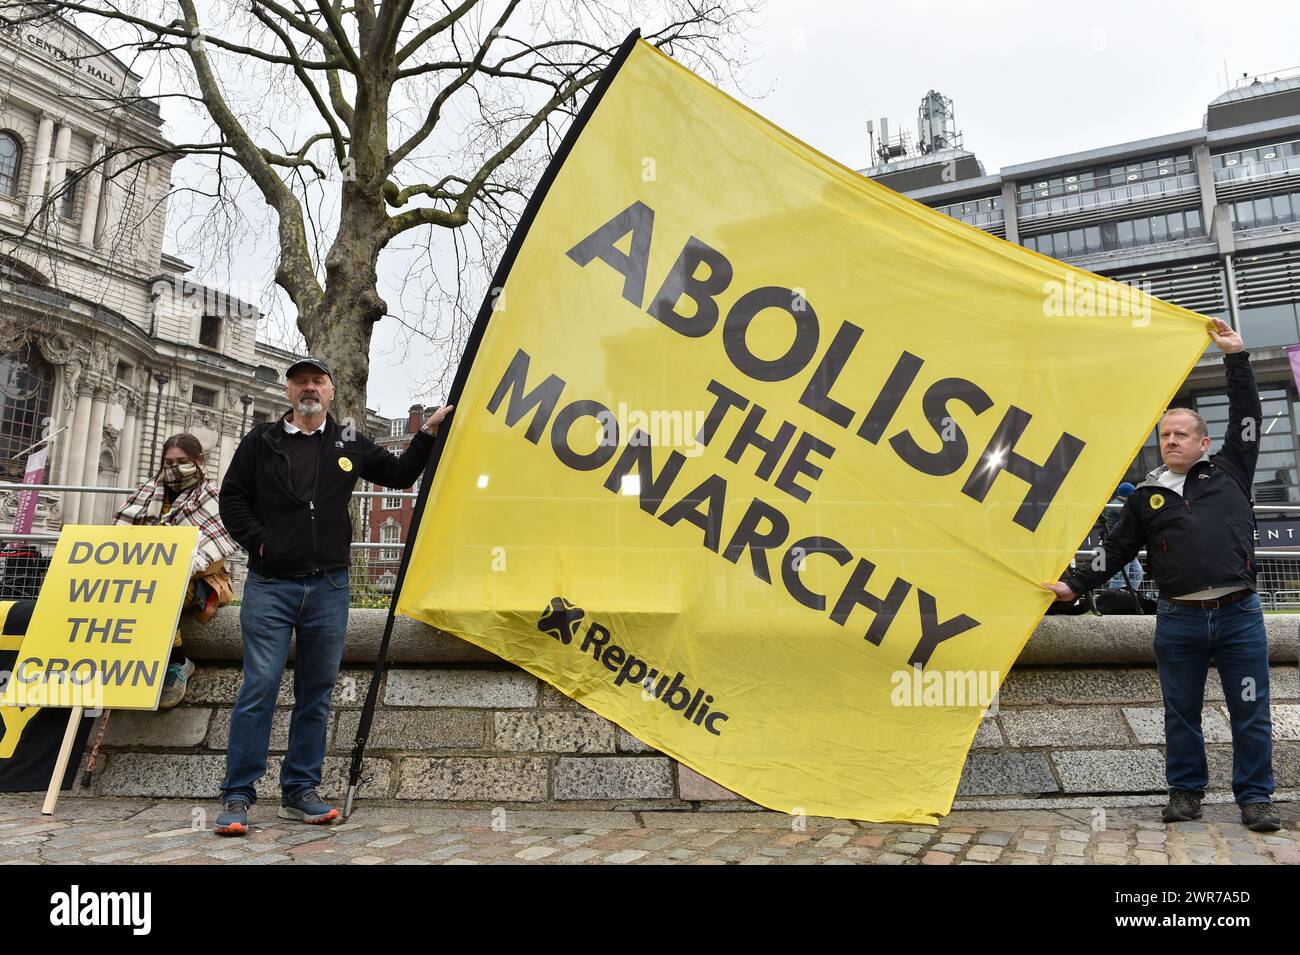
(1194,517)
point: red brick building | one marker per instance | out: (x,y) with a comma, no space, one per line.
(386,519)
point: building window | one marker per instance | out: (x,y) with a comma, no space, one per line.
(390,534)
(68,199)
(260,417)
(205,397)
(210,331)
(26,389)
(268,374)
(393,503)
(11,162)
(397,427)
(123,371)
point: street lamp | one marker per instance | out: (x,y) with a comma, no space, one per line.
(162,380)
(244,400)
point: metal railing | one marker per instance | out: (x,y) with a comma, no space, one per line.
(24,558)
(373,566)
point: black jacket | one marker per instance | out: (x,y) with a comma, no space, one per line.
(1204,537)
(286,536)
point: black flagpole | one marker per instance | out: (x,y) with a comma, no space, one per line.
(458,385)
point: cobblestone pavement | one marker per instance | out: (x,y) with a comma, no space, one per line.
(153,832)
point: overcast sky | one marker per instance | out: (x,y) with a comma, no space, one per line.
(1028,80)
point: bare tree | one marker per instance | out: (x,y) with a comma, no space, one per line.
(365,128)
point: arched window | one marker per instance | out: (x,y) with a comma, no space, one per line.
(11,162)
(26,390)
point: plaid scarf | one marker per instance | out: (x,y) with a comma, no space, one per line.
(197,505)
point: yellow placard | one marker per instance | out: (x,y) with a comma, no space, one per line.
(105,619)
(766,463)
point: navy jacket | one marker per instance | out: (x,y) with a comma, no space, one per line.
(1204,537)
(290,536)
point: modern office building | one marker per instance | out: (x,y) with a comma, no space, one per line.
(1207,218)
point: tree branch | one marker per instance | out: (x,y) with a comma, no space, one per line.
(459,214)
(433,29)
(435,109)
(294,271)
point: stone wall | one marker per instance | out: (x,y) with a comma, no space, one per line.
(1079,716)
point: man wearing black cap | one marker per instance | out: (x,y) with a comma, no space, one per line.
(285,500)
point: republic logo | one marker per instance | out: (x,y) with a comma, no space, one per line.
(561,620)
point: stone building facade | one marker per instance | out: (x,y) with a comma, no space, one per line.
(105,342)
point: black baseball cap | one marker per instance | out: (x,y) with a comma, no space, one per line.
(309,362)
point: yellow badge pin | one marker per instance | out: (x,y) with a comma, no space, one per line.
(1157,501)
(345,464)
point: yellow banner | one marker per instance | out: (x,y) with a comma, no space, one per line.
(105,619)
(765,462)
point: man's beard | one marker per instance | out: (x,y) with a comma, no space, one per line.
(309,406)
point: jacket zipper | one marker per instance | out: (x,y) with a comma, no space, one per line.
(315,483)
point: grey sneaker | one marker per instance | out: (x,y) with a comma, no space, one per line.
(175,682)
(1183,807)
(1261,817)
(308,807)
(233,820)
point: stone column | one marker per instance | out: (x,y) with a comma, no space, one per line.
(59,163)
(76,453)
(111,202)
(90,207)
(89,508)
(126,462)
(40,165)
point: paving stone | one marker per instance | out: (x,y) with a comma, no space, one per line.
(176,727)
(613,777)
(627,855)
(1090,771)
(413,730)
(533,853)
(983,853)
(484,689)
(504,778)
(1148,724)
(578,855)
(558,731)
(1006,773)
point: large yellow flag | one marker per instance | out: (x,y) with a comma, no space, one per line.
(765,462)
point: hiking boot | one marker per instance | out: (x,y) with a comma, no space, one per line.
(308,807)
(1183,807)
(233,820)
(1261,817)
(174,684)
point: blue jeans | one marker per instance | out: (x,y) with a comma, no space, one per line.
(316,607)
(1187,638)
(1134,569)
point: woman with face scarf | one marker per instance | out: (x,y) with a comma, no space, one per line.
(180,493)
